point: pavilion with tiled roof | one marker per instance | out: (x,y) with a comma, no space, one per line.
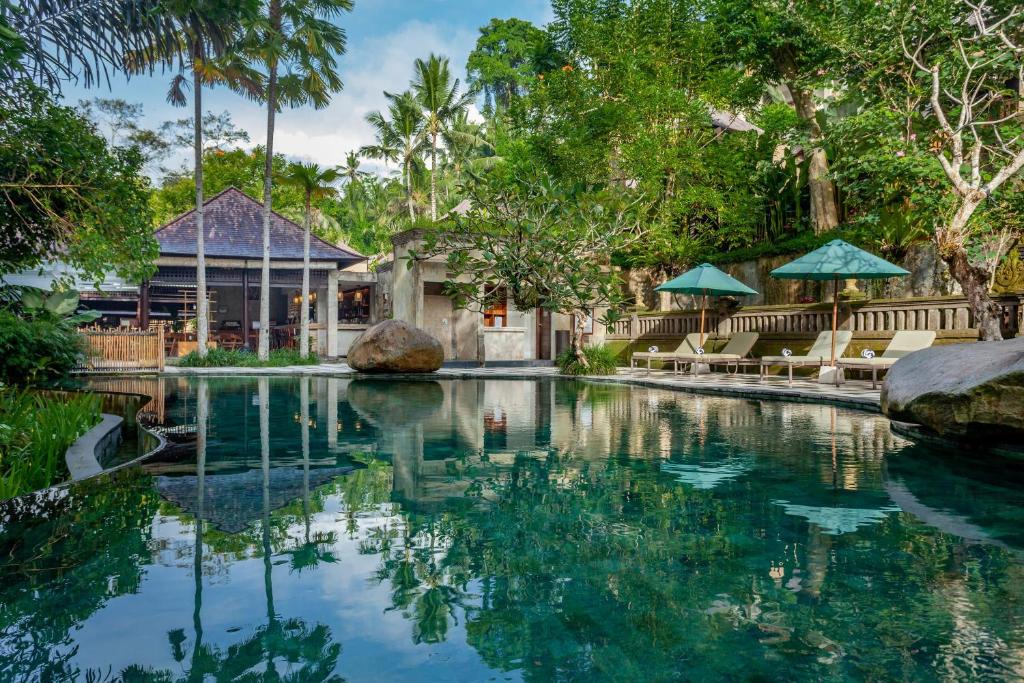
(341,289)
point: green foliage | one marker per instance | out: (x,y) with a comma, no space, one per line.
(35,432)
(509,56)
(223,169)
(544,243)
(223,358)
(632,106)
(61,40)
(39,341)
(66,193)
(597,360)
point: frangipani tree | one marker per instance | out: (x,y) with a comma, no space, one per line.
(972,70)
(544,244)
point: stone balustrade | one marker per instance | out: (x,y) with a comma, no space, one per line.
(951,315)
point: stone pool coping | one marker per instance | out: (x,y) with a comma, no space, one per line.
(82,457)
(853,394)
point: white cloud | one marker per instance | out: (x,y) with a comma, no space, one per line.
(370,67)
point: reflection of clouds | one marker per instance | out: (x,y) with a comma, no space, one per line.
(837,520)
(706,476)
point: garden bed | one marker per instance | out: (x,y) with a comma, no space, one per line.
(36,430)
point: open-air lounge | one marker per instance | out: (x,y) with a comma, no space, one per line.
(341,301)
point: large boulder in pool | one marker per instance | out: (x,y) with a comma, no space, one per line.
(395,346)
(962,390)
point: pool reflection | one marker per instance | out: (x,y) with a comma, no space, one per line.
(540,530)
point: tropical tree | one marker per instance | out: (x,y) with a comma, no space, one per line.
(509,55)
(399,138)
(66,194)
(349,171)
(438,95)
(467,145)
(972,75)
(299,44)
(60,40)
(541,243)
(207,60)
(315,183)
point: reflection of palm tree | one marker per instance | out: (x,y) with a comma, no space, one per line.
(315,549)
(202,411)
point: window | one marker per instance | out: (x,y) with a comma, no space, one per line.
(496,308)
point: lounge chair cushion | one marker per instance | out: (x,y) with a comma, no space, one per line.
(688,345)
(903,343)
(738,347)
(820,351)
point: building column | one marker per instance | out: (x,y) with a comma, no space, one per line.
(142,312)
(332,314)
(246,324)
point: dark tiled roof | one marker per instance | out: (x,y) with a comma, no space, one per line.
(233,223)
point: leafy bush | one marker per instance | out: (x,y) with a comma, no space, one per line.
(600,360)
(39,339)
(36,350)
(35,432)
(223,358)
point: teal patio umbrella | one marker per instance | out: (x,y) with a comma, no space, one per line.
(838,260)
(705,280)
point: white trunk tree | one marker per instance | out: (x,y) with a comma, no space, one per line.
(979,144)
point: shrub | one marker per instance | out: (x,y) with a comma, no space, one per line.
(37,350)
(35,432)
(601,360)
(222,358)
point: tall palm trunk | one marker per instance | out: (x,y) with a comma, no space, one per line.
(433,176)
(408,189)
(202,304)
(268,171)
(304,315)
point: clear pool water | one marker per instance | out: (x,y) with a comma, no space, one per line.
(324,529)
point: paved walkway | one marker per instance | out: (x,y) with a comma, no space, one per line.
(854,393)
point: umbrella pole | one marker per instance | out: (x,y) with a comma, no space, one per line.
(703,302)
(835,315)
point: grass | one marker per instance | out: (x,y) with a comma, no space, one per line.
(222,358)
(601,360)
(35,432)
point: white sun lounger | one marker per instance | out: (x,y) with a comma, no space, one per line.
(738,348)
(688,345)
(819,354)
(902,344)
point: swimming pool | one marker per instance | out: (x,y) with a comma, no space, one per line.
(466,530)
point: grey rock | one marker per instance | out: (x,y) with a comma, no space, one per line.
(395,346)
(961,390)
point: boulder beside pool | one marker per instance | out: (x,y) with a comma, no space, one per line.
(395,346)
(962,390)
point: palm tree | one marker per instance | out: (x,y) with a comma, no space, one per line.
(210,61)
(467,145)
(301,37)
(438,95)
(60,40)
(315,183)
(399,139)
(350,169)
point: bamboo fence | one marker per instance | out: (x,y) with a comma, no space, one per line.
(124,349)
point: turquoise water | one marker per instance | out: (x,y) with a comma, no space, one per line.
(323,529)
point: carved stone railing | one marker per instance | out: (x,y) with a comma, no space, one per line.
(942,314)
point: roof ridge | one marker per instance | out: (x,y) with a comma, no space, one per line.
(288,223)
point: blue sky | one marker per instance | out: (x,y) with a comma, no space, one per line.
(384,37)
